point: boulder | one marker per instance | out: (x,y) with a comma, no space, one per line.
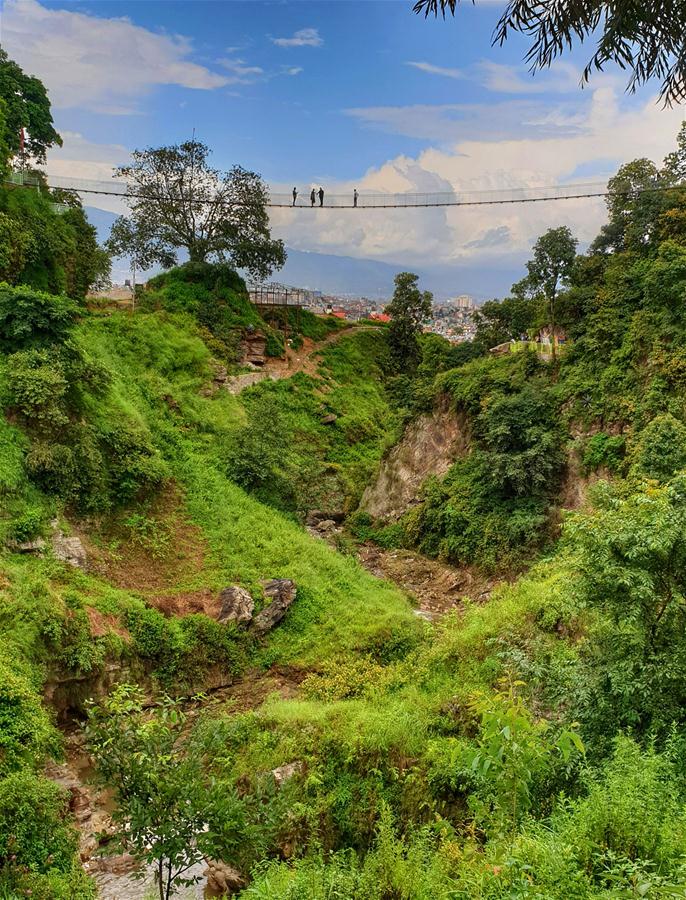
(281,592)
(283,773)
(236,605)
(328,419)
(223,878)
(326,525)
(68,549)
(253,349)
(35,546)
(314,516)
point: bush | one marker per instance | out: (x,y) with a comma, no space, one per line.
(35,831)
(30,319)
(26,734)
(12,449)
(27,526)
(215,294)
(603,450)
(660,451)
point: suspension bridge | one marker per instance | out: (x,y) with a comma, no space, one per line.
(365,200)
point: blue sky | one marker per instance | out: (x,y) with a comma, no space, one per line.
(348,94)
(296,126)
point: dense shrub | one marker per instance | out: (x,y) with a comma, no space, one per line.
(50,251)
(26,734)
(603,450)
(34,824)
(660,451)
(31,318)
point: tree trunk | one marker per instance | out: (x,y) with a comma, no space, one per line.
(196,254)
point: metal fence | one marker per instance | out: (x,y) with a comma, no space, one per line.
(278,295)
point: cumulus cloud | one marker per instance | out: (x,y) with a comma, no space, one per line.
(100,64)
(573,143)
(306,37)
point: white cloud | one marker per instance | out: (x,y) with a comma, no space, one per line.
(240,73)
(101,64)
(562,77)
(293,70)
(491,150)
(306,37)
(437,70)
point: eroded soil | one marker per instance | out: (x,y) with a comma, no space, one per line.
(436,586)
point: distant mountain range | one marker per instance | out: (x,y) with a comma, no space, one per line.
(360,277)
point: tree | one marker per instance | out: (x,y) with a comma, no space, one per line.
(550,268)
(25,106)
(169,814)
(408,309)
(498,321)
(648,39)
(633,207)
(179,201)
(631,568)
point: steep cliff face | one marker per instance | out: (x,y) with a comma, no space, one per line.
(429,446)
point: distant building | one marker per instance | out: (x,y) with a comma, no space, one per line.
(379,316)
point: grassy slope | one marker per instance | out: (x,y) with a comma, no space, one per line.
(157,357)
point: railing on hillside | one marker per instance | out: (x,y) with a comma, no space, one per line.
(23,179)
(277,295)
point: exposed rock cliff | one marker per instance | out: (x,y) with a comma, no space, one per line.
(429,446)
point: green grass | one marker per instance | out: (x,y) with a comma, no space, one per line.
(340,607)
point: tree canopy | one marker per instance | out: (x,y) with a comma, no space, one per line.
(408,309)
(647,39)
(25,104)
(550,268)
(178,201)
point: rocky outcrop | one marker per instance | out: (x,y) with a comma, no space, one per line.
(429,446)
(237,606)
(69,550)
(37,546)
(223,879)
(281,592)
(253,349)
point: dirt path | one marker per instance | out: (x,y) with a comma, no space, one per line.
(305,359)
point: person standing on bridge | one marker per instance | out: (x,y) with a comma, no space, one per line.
(313,196)
(295,195)
(321,196)
(355,197)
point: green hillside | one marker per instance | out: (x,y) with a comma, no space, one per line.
(530,743)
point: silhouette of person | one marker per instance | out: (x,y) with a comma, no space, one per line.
(321,196)
(295,195)
(312,196)
(355,197)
